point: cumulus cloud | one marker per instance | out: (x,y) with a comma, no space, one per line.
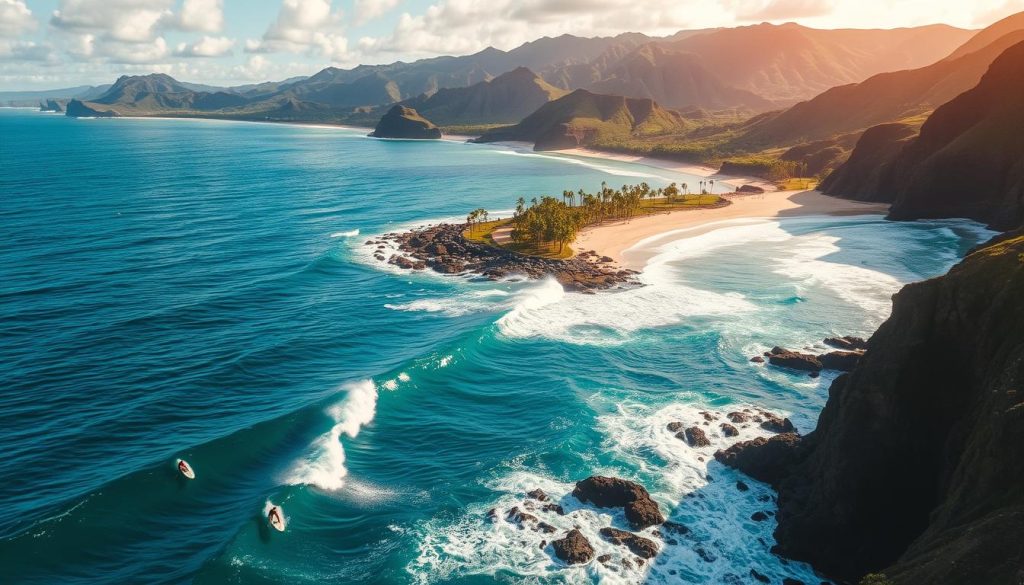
(15,19)
(202,16)
(206,47)
(132,21)
(367,10)
(311,27)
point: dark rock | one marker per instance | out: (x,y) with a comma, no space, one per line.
(847,342)
(766,460)
(777,424)
(740,485)
(546,528)
(757,359)
(728,430)
(694,437)
(603,559)
(574,548)
(738,417)
(753,189)
(792,581)
(674,427)
(638,545)
(403,122)
(759,516)
(843,361)
(520,517)
(675,528)
(794,360)
(538,494)
(760,577)
(492,514)
(612,492)
(556,508)
(705,555)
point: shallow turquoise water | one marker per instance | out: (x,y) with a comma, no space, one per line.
(176,288)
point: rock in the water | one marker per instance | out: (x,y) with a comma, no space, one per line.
(694,437)
(759,516)
(766,460)
(612,492)
(538,494)
(843,361)
(738,417)
(675,427)
(403,122)
(794,360)
(760,577)
(574,548)
(757,359)
(728,430)
(740,485)
(644,548)
(777,424)
(847,342)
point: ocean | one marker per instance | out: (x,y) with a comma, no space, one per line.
(202,290)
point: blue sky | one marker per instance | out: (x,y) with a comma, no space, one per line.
(61,43)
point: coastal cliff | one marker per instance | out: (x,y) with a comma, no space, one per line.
(404,122)
(968,160)
(916,466)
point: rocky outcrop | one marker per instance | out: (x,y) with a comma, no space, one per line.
(793,360)
(573,548)
(52,105)
(644,548)
(405,122)
(915,467)
(847,342)
(444,249)
(612,492)
(79,109)
(750,189)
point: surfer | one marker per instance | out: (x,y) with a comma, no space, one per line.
(274,517)
(185,469)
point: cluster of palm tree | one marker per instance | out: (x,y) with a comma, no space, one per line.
(475,218)
(551,220)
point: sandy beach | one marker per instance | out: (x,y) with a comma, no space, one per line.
(619,240)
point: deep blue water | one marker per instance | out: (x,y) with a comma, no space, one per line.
(175,288)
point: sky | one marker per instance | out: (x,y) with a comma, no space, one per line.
(64,43)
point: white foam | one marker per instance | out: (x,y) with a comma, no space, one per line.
(716,512)
(348,234)
(324,465)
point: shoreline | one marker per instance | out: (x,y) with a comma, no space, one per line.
(631,244)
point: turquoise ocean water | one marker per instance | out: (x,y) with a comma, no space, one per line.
(200,289)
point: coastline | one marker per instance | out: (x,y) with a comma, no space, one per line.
(631,244)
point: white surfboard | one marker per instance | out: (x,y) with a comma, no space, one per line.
(185,469)
(276,518)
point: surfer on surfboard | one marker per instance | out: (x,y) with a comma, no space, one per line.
(275,518)
(185,469)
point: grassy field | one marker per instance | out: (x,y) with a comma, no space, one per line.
(797,184)
(482,233)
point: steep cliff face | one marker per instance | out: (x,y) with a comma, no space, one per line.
(403,122)
(969,158)
(916,466)
(862,177)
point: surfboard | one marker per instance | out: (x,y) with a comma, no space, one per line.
(275,516)
(185,469)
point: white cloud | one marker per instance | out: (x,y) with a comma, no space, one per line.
(202,16)
(367,10)
(206,47)
(309,27)
(131,21)
(15,19)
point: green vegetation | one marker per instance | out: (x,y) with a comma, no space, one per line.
(547,225)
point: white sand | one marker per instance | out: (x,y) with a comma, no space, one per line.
(618,240)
